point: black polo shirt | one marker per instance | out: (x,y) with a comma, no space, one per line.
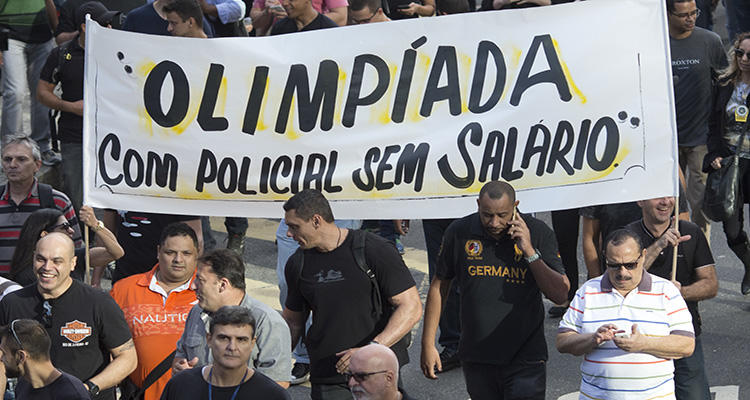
(65,66)
(691,255)
(502,316)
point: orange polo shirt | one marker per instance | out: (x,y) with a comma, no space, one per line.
(156,320)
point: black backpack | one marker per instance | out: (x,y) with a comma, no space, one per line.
(45,195)
(358,248)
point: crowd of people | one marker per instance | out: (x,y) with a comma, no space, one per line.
(179,322)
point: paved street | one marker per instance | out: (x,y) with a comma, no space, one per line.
(726,319)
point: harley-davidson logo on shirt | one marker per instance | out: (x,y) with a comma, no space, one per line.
(75,331)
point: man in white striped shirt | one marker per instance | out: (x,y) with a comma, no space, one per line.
(628,325)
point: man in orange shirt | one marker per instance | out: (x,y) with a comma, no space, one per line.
(156,304)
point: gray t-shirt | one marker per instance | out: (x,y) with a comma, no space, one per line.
(272,353)
(693,60)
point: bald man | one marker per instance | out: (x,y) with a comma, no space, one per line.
(373,374)
(90,338)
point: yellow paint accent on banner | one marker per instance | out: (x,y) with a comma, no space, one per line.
(380,112)
(339,97)
(464,72)
(221,101)
(145,68)
(261,125)
(568,76)
(416,93)
(291,133)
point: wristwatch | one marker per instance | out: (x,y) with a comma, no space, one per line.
(93,388)
(532,258)
(99,226)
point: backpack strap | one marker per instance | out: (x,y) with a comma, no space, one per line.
(46,199)
(358,249)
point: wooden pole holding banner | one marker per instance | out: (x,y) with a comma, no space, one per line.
(677,227)
(86,278)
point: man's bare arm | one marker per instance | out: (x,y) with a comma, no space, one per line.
(672,346)
(590,243)
(436,297)
(407,310)
(296,321)
(579,344)
(124,361)
(705,286)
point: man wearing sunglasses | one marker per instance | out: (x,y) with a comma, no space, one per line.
(628,324)
(90,338)
(697,54)
(696,279)
(373,374)
(366,11)
(25,349)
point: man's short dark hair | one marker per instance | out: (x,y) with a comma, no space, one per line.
(232,315)
(227,264)
(308,203)
(620,236)
(178,229)
(452,6)
(357,5)
(185,9)
(671,3)
(32,336)
(497,189)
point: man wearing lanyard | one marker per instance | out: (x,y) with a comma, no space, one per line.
(231,337)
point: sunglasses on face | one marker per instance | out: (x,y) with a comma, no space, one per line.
(47,316)
(13,331)
(739,53)
(361,376)
(62,227)
(629,266)
(695,13)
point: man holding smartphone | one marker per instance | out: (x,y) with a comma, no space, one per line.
(628,325)
(502,261)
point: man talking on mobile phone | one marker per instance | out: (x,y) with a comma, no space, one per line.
(503,261)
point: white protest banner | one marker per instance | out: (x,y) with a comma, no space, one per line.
(571,104)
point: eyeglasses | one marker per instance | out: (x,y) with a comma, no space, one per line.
(366,20)
(361,376)
(47,316)
(629,266)
(63,227)
(695,13)
(13,331)
(739,53)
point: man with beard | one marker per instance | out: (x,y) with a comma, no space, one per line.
(502,261)
(25,354)
(373,374)
(629,324)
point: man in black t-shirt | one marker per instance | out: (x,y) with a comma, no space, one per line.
(502,261)
(25,348)
(323,275)
(65,66)
(696,279)
(301,16)
(86,326)
(231,337)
